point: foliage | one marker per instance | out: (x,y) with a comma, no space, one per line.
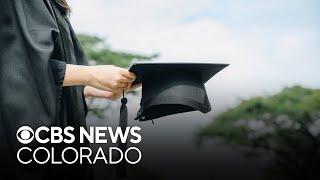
(292,104)
(286,124)
(97,50)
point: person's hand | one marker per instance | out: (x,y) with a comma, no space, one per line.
(94,92)
(110,78)
(104,77)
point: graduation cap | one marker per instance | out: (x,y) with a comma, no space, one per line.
(171,88)
(167,89)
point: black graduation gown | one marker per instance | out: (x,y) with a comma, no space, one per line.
(36,43)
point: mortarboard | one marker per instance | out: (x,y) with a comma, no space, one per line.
(167,89)
(171,88)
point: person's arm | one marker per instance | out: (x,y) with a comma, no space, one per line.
(76,75)
(104,77)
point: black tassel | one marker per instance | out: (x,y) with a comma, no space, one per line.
(121,170)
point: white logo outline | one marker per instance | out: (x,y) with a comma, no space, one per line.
(25,134)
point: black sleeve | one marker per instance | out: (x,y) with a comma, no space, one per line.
(58,69)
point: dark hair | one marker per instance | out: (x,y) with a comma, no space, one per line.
(63,7)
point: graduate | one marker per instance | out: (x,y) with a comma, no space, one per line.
(44,78)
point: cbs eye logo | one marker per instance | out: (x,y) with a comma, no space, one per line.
(25,134)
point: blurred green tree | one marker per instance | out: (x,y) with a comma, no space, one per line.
(286,125)
(98,51)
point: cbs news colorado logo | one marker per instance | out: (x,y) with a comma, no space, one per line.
(98,135)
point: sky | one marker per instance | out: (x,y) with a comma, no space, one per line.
(269,44)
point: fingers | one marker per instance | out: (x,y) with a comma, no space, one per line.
(94,92)
(97,93)
(111,78)
(126,73)
(126,76)
(129,85)
(113,95)
(122,85)
(126,79)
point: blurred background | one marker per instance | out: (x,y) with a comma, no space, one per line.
(265,122)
